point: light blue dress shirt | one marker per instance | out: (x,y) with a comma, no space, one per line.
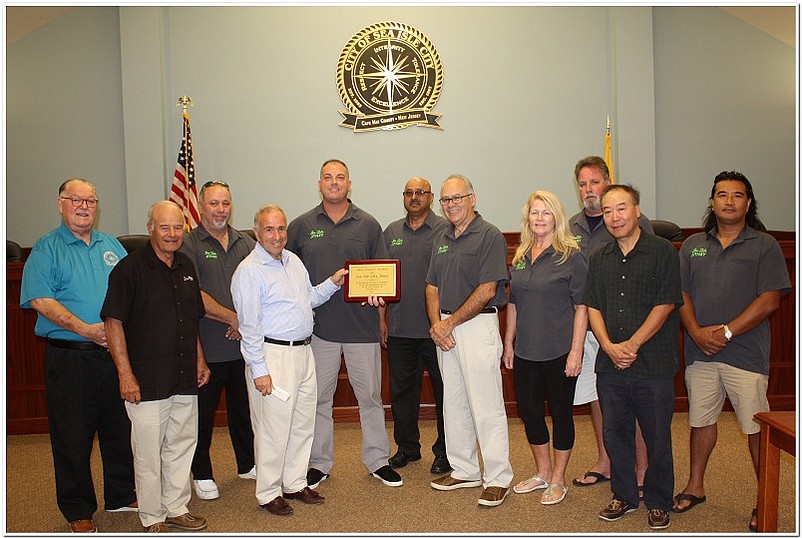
(275,299)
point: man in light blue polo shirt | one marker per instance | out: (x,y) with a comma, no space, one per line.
(65,280)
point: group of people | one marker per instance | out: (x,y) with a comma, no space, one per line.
(140,346)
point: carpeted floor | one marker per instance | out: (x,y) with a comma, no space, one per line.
(357,503)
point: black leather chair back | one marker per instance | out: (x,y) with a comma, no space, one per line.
(133,242)
(13,251)
(668,230)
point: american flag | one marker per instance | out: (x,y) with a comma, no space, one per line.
(184,192)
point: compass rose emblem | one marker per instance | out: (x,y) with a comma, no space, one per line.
(389,77)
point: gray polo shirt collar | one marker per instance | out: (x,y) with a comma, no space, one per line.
(204,235)
(473,227)
(747,232)
(428,221)
(350,213)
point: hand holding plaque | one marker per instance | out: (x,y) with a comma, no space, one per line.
(372,278)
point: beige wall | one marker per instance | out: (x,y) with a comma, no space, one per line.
(526,93)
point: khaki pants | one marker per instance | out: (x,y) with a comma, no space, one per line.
(163,438)
(283,430)
(473,403)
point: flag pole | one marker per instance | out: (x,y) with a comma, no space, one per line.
(608,151)
(183,190)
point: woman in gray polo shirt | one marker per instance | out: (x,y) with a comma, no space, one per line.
(544,337)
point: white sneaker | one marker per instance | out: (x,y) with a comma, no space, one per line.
(206,489)
(250,474)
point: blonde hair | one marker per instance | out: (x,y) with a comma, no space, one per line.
(563,242)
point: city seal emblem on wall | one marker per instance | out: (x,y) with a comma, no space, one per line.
(389,77)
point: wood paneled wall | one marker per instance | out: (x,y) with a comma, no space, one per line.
(26,406)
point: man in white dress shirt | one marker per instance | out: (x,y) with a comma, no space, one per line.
(274,298)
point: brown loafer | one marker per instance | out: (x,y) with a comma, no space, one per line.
(306,496)
(83,525)
(278,507)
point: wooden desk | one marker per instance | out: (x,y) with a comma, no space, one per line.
(777,431)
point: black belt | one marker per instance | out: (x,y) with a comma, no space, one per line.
(488,310)
(73,344)
(304,342)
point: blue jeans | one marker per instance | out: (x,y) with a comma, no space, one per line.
(624,399)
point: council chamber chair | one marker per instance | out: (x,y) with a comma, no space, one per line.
(13,251)
(667,230)
(133,242)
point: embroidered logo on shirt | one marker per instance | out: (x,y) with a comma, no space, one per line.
(520,265)
(210,254)
(578,238)
(188,278)
(442,248)
(396,242)
(315,234)
(698,252)
(110,258)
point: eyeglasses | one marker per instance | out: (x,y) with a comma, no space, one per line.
(457,198)
(416,192)
(215,183)
(78,202)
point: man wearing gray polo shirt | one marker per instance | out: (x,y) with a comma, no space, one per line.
(325,238)
(733,275)
(464,290)
(216,249)
(409,347)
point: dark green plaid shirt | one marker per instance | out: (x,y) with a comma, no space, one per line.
(625,289)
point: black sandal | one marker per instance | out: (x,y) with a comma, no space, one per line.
(753,526)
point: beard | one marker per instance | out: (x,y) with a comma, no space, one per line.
(592,203)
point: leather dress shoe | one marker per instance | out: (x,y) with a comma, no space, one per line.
(278,507)
(306,496)
(83,525)
(401,459)
(441,465)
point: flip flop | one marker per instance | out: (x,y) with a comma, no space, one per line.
(753,528)
(693,500)
(598,476)
(554,494)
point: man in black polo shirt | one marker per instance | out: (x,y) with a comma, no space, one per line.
(632,293)
(216,249)
(409,347)
(151,315)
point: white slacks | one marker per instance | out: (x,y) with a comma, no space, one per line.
(283,430)
(473,402)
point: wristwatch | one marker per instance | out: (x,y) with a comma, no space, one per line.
(727,332)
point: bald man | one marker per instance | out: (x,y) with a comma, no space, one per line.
(410,348)
(151,314)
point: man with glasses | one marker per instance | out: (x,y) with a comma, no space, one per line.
(216,249)
(325,238)
(65,280)
(410,348)
(464,290)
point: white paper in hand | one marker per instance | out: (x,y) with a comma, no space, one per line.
(280,393)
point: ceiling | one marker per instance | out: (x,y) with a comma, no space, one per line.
(777,21)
